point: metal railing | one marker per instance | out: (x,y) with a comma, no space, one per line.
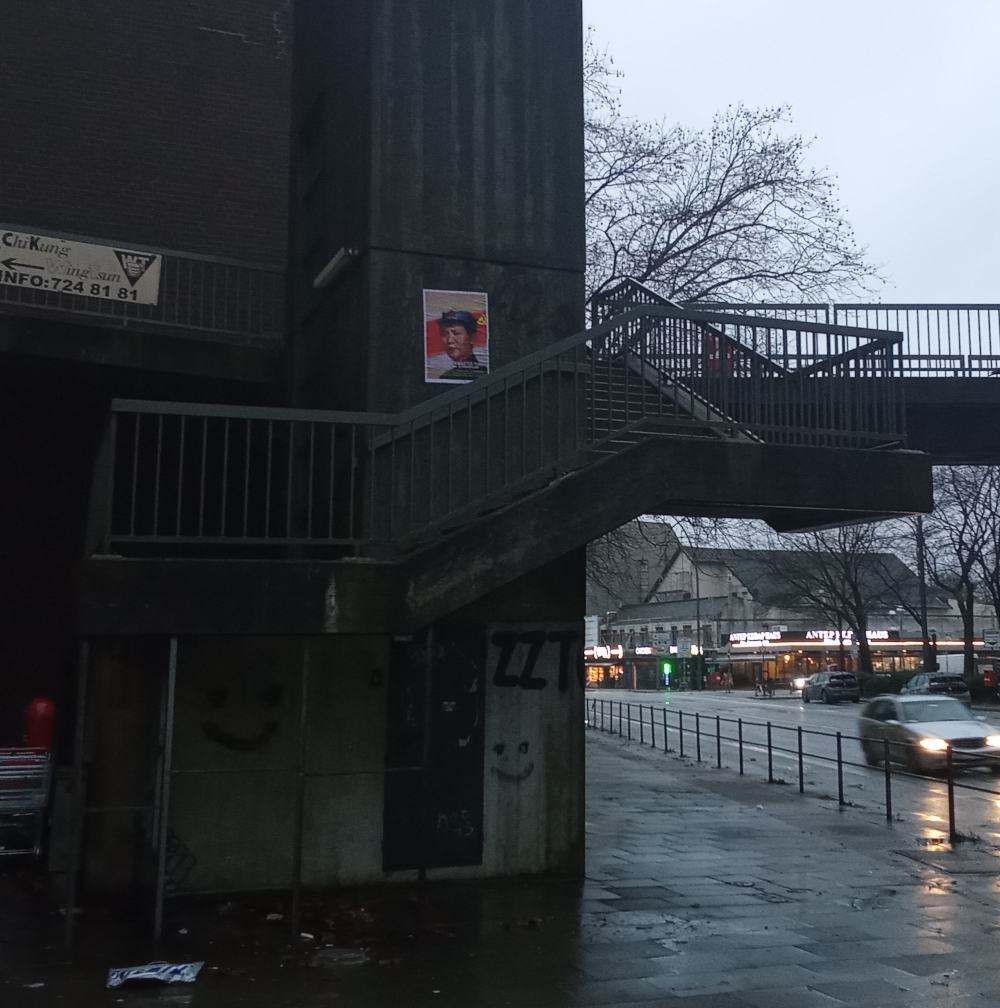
(703,738)
(199,293)
(945,340)
(189,473)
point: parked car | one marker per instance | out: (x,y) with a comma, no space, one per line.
(938,684)
(922,728)
(830,687)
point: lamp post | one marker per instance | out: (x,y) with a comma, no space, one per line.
(928,659)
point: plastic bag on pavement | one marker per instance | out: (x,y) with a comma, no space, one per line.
(165,972)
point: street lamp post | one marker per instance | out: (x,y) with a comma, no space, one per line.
(928,659)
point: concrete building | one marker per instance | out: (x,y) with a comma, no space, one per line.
(311,617)
(749,619)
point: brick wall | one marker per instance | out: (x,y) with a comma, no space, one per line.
(162,122)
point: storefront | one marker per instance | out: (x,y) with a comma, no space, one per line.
(787,655)
(613,666)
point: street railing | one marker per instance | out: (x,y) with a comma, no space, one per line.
(182,474)
(701,737)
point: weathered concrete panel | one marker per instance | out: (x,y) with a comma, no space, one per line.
(533,808)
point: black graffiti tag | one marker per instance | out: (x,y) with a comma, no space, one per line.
(507,641)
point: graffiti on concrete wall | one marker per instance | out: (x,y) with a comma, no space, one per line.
(508,640)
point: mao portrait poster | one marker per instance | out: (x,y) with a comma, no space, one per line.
(456,336)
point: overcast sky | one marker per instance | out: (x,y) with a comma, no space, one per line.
(900,96)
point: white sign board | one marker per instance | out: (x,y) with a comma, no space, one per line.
(72,267)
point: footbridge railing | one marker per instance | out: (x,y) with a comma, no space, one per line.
(939,340)
(177,477)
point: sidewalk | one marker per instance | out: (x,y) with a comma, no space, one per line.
(704,890)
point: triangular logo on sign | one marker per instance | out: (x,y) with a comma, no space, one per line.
(135,264)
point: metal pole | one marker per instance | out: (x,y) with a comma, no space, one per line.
(680,720)
(79,798)
(642,729)
(628,715)
(300,795)
(739,725)
(952,832)
(665,745)
(620,716)
(888,781)
(926,658)
(840,771)
(718,742)
(652,727)
(770,756)
(164,811)
(425,759)
(697,735)
(802,773)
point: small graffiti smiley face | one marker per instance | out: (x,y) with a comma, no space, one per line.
(219,699)
(510,767)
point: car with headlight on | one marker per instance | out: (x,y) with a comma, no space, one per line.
(921,729)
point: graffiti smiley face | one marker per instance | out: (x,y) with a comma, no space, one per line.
(255,732)
(513,766)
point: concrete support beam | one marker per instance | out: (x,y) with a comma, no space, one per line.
(790,487)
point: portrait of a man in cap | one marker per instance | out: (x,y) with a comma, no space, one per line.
(458,334)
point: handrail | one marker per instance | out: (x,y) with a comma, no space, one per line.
(210,474)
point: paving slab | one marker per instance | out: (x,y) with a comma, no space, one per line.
(703,890)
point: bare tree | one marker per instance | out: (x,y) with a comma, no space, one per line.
(732,212)
(962,542)
(624,567)
(838,573)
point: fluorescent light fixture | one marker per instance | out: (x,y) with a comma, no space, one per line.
(334,268)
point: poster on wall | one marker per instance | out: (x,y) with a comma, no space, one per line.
(456,336)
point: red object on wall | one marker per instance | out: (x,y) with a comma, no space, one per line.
(990,677)
(39,722)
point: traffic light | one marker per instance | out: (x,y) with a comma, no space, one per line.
(667,670)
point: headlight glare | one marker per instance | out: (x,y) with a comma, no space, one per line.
(993,741)
(799,683)
(934,744)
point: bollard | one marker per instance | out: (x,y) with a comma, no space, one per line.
(652,728)
(802,773)
(739,726)
(840,771)
(697,735)
(642,730)
(621,719)
(718,743)
(665,748)
(888,781)
(628,717)
(680,722)
(770,756)
(952,832)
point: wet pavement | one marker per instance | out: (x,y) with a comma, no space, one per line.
(704,889)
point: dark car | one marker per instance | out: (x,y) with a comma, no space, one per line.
(938,684)
(830,687)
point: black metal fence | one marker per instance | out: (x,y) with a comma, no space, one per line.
(701,737)
(190,473)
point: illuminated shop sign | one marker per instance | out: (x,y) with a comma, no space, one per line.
(761,637)
(604,652)
(645,651)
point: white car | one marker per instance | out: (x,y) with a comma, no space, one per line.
(921,729)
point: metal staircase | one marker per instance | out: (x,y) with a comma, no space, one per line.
(196,480)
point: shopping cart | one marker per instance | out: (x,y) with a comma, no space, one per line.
(25,777)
